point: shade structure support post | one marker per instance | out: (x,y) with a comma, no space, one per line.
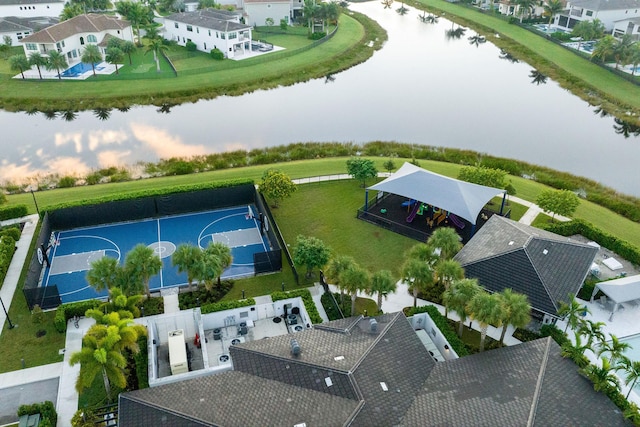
(473,230)
(366,200)
(504,198)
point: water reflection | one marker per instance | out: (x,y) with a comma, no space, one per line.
(454,34)
(428,19)
(102,113)
(508,57)
(626,129)
(329,78)
(537,77)
(402,10)
(165,108)
(476,40)
(69,115)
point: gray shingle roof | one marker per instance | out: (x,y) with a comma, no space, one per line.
(28,2)
(79,24)
(597,5)
(219,20)
(542,265)
(14,23)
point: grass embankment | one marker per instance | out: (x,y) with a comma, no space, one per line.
(347,48)
(585,79)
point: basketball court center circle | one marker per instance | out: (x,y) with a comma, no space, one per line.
(163,248)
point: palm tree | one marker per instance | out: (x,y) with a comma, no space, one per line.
(105,273)
(552,8)
(614,347)
(419,275)
(634,57)
(141,263)
(516,311)
(622,50)
(604,48)
(125,306)
(583,30)
(593,331)
(188,259)
(113,56)
(602,376)
(19,63)
(334,269)
(486,309)
(355,279)
(572,312)
(156,46)
(222,254)
(38,60)
(457,298)
(525,6)
(446,240)
(575,351)
(422,252)
(310,11)
(91,55)
(632,370)
(448,271)
(128,48)
(57,61)
(382,282)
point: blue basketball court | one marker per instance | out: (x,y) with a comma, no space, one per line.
(73,251)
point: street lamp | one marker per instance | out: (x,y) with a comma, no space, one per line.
(11,325)
(34,200)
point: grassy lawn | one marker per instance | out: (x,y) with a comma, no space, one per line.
(342,51)
(517,210)
(142,66)
(551,59)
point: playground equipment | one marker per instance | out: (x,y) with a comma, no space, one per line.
(456,221)
(414,212)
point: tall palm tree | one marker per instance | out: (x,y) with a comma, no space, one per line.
(38,60)
(486,309)
(113,56)
(457,298)
(355,279)
(632,371)
(57,61)
(446,272)
(142,263)
(188,259)
(422,252)
(128,48)
(446,240)
(382,282)
(525,6)
(156,46)
(516,311)
(91,55)
(634,57)
(622,49)
(222,253)
(614,347)
(571,312)
(19,63)
(552,8)
(419,275)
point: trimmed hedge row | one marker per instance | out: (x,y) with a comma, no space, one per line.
(153,193)
(13,211)
(46,409)
(443,324)
(67,311)
(307,299)
(578,226)
(141,360)
(226,305)
(7,249)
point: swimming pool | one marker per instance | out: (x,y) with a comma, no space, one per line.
(545,29)
(79,69)
(632,353)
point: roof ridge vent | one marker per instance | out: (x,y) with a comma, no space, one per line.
(295,347)
(373,324)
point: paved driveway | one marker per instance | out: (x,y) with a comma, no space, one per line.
(11,398)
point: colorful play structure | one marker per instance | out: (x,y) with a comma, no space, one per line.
(434,215)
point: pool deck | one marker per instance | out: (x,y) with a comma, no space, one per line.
(53,74)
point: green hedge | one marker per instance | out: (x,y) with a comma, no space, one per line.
(307,299)
(7,249)
(443,324)
(153,193)
(47,411)
(226,305)
(141,360)
(68,311)
(13,231)
(13,211)
(578,226)
(330,307)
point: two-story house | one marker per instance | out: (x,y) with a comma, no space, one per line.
(607,11)
(31,8)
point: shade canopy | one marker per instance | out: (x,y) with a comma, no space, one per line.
(464,199)
(620,290)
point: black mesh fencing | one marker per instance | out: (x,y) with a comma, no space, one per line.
(46,297)
(35,266)
(267,262)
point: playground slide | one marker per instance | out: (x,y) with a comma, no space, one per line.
(414,212)
(456,221)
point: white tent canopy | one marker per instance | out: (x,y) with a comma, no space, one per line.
(464,199)
(620,290)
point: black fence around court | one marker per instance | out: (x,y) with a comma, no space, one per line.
(143,208)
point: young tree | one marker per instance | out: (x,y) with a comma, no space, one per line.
(419,275)
(142,263)
(486,309)
(446,240)
(310,252)
(276,185)
(354,279)
(361,169)
(19,63)
(457,298)
(188,259)
(91,55)
(571,312)
(57,61)
(382,283)
(125,306)
(128,48)
(483,176)
(560,202)
(389,165)
(516,311)
(38,60)
(114,56)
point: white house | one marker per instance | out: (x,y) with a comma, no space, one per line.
(627,26)
(31,8)
(607,11)
(18,28)
(510,8)
(258,11)
(71,36)
(209,29)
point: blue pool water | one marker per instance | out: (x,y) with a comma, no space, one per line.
(632,353)
(79,69)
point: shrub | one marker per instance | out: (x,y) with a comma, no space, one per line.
(307,299)
(12,231)
(47,411)
(441,322)
(13,211)
(141,360)
(37,316)
(66,182)
(317,36)
(65,312)
(191,46)
(216,54)
(226,305)
(330,306)
(7,249)
(201,296)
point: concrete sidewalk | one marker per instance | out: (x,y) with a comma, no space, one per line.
(533,211)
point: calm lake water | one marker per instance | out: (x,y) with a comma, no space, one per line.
(422,88)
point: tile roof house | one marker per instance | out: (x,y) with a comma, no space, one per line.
(607,11)
(542,265)
(19,27)
(31,8)
(69,37)
(375,372)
